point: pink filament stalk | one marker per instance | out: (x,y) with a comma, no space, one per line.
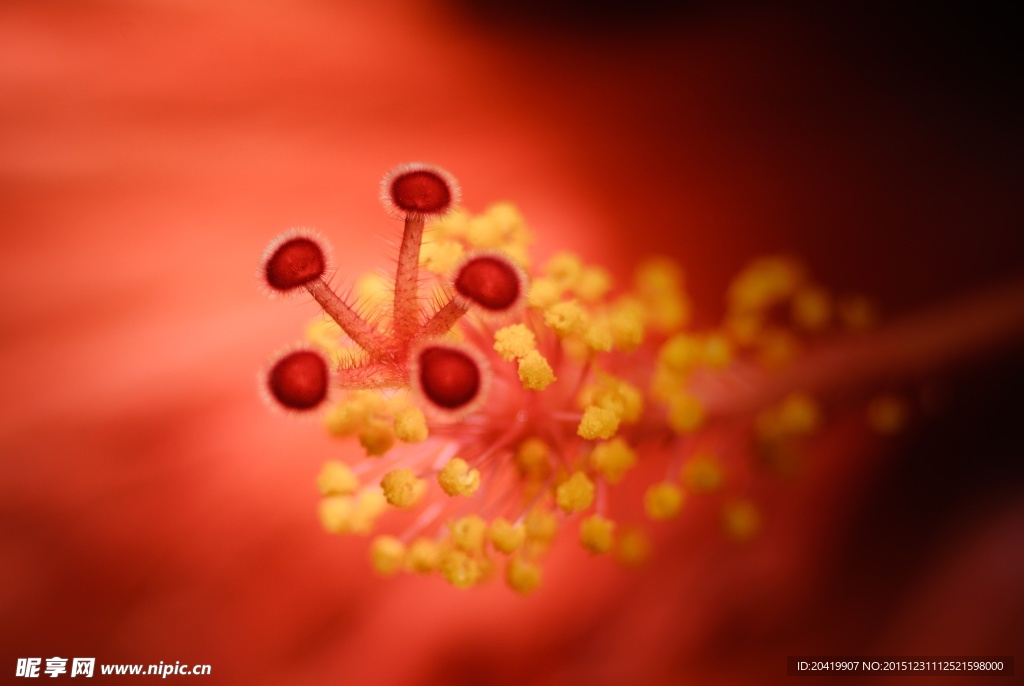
(357,328)
(923,344)
(407,310)
(374,375)
(444,319)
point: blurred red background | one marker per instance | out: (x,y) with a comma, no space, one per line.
(153,509)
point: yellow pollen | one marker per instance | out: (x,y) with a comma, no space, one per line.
(506,538)
(533,458)
(565,318)
(336,478)
(613,459)
(702,474)
(598,336)
(456,478)
(663,500)
(514,341)
(423,556)
(717,351)
(592,284)
(541,526)
(575,494)
(376,436)
(468,533)
(564,269)
(535,372)
(799,414)
(387,553)
(685,413)
(811,308)
(402,488)
(597,534)
(522,576)
(740,519)
(455,224)
(411,425)
(598,422)
(680,353)
(440,257)
(626,319)
(633,547)
(543,293)
(459,569)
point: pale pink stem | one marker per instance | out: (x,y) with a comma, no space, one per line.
(921,345)
(443,320)
(357,328)
(407,310)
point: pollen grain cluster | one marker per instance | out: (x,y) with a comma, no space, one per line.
(501,400)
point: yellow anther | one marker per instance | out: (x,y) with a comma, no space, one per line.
(533,458)
(626,320)
(598,422)
(592,284)
(369,505)
(702,474)
(411,425)
(507,216)
(376,436)
(857,313)
(663,500)
(373,290)
(336,513)
(336,478)
(535,372)
(543,293)
(777,347)
(541,526)
(668,312)
(717,351)
(598,336)
(597,534)
(348,416)
(459,569)
(484,232)
(887,414)
(505,537)
(744,327)
(325,334)
(440,257)
(633,547)
(522,576)
(514,341)
(564,269)
(565,318)
(518,253)
(685,413)
(658,276)
(811,308)
(469,533)
(456,478)
(387,553)
(799,414)
(611,393)
(740,519)
(575,494)
(455,224)
(423,556)
(681,353)
(765,282)
(402,488)
(613,459)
